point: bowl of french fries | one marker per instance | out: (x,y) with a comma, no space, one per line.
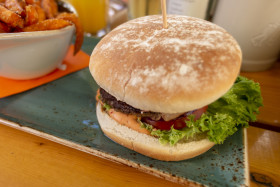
(35,36)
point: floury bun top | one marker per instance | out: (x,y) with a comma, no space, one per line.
(184,67)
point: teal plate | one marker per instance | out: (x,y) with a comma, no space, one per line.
(64,111)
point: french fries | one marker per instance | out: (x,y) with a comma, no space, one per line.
(33,2)
(4,28)
(41,12)
(15,6)
(32,16)
(37,15)
(48,24)
(11,18)
(50,7)
(79,30)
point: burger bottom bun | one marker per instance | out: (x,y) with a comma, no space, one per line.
(149,145)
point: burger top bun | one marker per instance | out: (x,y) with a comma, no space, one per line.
(184,67)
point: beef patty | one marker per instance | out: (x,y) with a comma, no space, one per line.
(125,108)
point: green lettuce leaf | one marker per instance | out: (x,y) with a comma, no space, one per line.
(106,107)
(242,101)
(223,117)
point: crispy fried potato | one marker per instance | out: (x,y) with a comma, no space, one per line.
(32,16)
(16,6)
(4,28)
(41,12)
(11,18)
(48,24)
(50,7)
(79,29)
(54,7)
(37,15)
(33,2)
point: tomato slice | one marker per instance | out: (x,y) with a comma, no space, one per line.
(177,123)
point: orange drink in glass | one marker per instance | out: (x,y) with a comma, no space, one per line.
(93,15)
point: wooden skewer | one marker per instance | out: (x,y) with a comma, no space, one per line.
(163,9)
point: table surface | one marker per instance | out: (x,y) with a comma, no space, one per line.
(28,160)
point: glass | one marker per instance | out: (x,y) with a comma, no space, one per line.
(93,15)
(139,8)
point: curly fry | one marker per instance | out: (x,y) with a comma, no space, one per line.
(50,7)
(79,29)
(4,28)
(32,16)
(16,6)
(48,24)
(10,18)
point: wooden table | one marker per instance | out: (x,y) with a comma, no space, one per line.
(28,160)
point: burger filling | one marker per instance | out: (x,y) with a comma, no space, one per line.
(160,121)
(216,121)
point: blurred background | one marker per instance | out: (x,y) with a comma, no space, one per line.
(98,15)
(255,24)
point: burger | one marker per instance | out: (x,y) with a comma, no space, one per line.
(171,93)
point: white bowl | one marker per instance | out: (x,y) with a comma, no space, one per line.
(29,55)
